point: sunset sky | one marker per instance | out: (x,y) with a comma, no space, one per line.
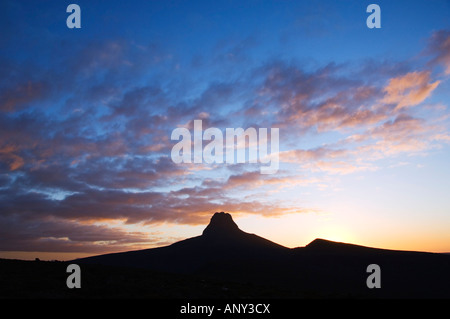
(86,117)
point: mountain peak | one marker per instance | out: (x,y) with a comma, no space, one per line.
(221,224)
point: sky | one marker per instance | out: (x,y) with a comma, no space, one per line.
(87,116)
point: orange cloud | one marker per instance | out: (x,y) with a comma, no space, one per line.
(7,155)
(409,90)
(253,180)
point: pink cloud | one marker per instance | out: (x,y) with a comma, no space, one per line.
(409,89)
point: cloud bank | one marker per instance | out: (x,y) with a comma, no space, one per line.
(85,135)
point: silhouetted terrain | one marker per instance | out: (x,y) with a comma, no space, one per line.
(225,262)
(222,244)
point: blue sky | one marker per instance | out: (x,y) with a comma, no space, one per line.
(86,117)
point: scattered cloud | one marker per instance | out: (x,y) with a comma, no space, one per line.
(89,143)
(439,49)
(409,90)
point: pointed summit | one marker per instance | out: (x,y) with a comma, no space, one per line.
(221,224)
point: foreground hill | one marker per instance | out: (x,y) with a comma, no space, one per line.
(322,268)
(222,243)
(226,262)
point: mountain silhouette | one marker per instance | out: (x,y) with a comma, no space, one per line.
(321,268)
(221,243)
(221,224)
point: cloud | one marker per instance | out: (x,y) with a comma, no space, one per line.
(328,159)
(404,134)
(409,89)
(59,235)
(439,49)
(255,180)
(321,100)
(8,157)
(342,167)
(18,97)
(85,147)
(304,156)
